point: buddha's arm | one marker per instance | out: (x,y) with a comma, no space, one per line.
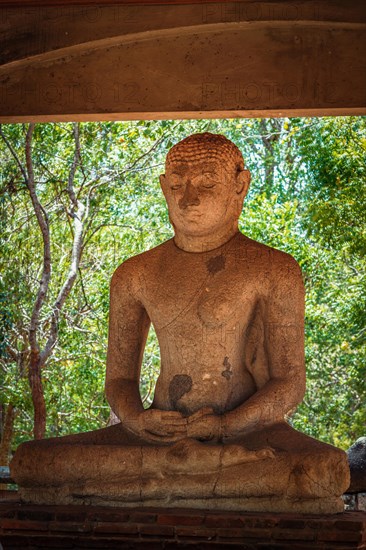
(128,328)
(284,344)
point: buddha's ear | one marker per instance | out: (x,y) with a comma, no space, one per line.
(242,182)
(162,179)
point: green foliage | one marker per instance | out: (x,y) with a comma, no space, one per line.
(334,152)
(307,197)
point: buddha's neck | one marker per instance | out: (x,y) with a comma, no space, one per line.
(204,243)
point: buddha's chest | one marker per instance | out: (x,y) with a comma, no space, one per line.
(209,293)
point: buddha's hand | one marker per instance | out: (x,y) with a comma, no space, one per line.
(204,425)
(156,425)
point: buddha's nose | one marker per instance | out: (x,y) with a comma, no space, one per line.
(190,197)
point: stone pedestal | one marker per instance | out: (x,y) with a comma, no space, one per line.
(32,526)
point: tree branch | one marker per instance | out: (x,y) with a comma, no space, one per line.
(12,151)
(43,223)
(74,165)
(100,226)
(77,213)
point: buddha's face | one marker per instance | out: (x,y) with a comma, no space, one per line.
(203,196)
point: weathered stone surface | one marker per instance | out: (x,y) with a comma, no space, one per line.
(229,316)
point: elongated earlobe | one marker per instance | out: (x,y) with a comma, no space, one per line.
(162,179)
(243,180)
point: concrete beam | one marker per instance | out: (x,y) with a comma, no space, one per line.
(228,59)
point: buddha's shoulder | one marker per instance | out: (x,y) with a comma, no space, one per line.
(267,256)
(134,266)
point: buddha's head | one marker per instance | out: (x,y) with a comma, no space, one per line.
(204,184)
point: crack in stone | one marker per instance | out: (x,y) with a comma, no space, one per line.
(303,471)
(218,472)
(201,288)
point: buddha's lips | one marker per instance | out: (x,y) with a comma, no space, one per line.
(189,211)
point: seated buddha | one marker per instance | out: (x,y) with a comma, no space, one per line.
(229,317)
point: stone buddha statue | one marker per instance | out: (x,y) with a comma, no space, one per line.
(229,316)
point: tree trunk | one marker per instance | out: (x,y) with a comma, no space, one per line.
(39,404)
(7,435)
(6,439)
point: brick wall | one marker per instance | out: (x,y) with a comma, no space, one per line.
(26,526)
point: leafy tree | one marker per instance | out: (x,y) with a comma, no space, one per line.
(307,198)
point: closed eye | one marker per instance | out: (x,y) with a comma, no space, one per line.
(175,187)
